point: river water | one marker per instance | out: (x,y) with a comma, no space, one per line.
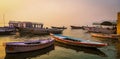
(62,51)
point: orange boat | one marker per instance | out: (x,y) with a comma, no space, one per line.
(76,42)
(110,36)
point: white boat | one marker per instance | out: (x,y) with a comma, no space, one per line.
(5,31)
(14,47)
(100,30)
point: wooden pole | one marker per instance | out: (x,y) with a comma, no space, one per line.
(118,23)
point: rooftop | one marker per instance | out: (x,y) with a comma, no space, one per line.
(24,22)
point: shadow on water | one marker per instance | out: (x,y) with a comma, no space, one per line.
(5,35)
(88,50)
(29,55)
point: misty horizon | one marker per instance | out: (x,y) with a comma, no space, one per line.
(59,12)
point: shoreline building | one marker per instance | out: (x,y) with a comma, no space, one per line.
(118,23)
(32,28)
(25,24)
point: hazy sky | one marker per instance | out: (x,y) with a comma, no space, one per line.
(59,12)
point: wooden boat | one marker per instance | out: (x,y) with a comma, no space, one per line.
(5,31)
(39,31)
(100,30)
(59,27)
(76,42)
(110,36)
(14,47)
(76,27)
(31,54)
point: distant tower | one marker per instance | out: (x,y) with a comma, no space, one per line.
(118,23)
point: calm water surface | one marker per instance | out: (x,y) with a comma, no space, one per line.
(62,51)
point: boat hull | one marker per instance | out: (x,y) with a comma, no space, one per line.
(76,27)
(6,30)
(26,48)
(84,44)
(31,54)
(109,36)
(58,27)
(6,33)
(40,31)
(100,30)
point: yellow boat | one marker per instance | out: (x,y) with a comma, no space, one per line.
(110,36)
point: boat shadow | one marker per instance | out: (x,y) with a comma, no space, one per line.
(31,54)
(88,50)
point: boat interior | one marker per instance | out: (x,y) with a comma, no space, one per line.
(72,39)
(32,42)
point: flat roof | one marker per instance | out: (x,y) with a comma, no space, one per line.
(24,22)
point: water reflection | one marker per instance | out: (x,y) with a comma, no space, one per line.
(118,49)
(2,51)
(64,51)
(29,55)
(94,51)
